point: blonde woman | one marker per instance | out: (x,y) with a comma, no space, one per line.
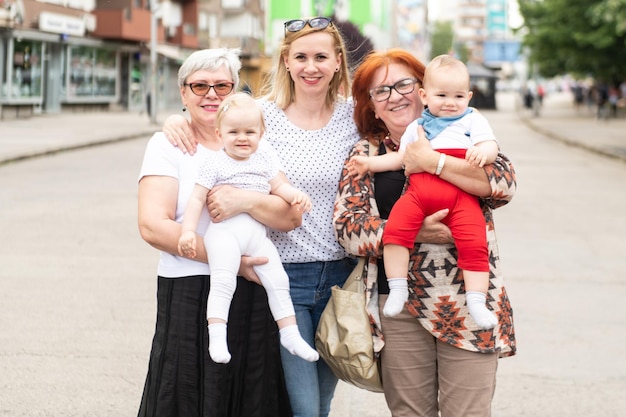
(309,121)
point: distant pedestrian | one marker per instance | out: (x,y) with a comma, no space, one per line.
(541,93)
(601,97)
(579,95)
(149,104)
(613,99)
(528,97)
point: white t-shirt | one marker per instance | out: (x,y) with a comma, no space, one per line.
(462,133)
(312,161)
(163,159)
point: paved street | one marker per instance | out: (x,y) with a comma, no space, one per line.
(77,284)
(562,247)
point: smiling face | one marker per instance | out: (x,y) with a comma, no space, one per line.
(312,61)
(399,110)
(240,129)
(203,109)
(446,91)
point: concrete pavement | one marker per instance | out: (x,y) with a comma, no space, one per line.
(47,134)
(560,120)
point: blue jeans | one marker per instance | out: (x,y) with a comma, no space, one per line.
(311,385)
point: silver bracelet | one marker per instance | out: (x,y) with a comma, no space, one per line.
(442,161)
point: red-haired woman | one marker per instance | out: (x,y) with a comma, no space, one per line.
(434,358)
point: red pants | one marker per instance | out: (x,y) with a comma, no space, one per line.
(427,194)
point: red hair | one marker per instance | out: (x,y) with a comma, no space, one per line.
(364,117)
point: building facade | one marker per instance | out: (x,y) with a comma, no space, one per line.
(47,61)
(482,27)
(86,55)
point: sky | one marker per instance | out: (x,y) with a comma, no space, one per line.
(436,7)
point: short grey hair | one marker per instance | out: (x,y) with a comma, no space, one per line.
(211,59)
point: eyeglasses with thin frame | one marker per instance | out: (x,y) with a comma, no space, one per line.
(202,89)
(403,87)
(297,25)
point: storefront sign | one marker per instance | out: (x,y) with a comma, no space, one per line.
(58,23)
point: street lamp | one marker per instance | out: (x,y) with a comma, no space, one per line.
(154,9)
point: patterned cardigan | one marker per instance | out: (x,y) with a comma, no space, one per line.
(436,291)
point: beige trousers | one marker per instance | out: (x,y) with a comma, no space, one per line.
(423,376)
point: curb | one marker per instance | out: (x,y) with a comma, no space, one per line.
(550,134)
(52,151)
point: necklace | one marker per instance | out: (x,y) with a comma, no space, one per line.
(390,143)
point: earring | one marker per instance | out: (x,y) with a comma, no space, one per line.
(337,69)
(184,109)
(287,68)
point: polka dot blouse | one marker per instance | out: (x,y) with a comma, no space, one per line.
(312,160)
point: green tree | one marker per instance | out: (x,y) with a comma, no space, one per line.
(442,37)
(442,42)
(580,37)
(462,51)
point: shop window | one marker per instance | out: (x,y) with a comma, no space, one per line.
(25,75)
(92,72)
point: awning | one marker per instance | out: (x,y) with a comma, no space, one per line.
(173,52)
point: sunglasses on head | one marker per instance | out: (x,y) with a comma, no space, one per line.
(297,25)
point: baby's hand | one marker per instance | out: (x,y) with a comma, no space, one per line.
(358,166)
(187,245)
(303,201)
(475,157)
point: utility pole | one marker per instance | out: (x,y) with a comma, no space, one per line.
(153,61)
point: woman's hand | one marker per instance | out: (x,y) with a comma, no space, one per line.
(177,130)
(420,156)
(433,231)
(246,267)
(224,202)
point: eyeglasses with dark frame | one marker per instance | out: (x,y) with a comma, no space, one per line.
(202,89)
(403,87)
(297,25)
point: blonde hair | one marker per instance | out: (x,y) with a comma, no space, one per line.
(279,86)
(240,101)
(445,61)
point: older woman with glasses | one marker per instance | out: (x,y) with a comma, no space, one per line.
(309,121)
(435,360)
(182,379)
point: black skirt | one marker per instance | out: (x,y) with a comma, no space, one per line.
(182,379)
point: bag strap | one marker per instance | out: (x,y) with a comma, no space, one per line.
(354,282)
(372,149)
(359,267)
